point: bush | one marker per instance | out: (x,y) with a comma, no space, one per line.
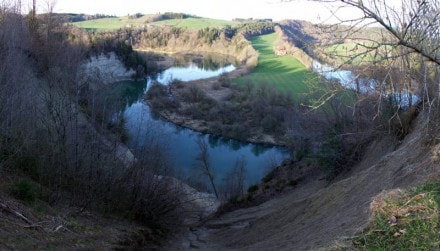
(268,177)
(157,90)
(233,200)
(24,190)
(293,182)
(252,189)
(194,95)
(269,123)
(224,80)
(216,86)
(332,155)
(27,164)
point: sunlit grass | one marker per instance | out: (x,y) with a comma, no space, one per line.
(404,220)
(286,73)
(358,52)
(114,23)
(111,23)
(194,23)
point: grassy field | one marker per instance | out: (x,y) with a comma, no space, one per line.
(286,73)
(192,23)
(196,23)
(359,52)
(113,23)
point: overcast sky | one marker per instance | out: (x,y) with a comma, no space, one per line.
(221,9)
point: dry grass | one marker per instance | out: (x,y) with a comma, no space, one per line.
(404,220)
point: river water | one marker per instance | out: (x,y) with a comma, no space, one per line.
(143,126)
(350,80)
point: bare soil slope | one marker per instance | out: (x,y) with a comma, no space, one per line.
(312,218)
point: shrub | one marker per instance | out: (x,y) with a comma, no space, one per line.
(268,177)
(233,200)
(24,190)
(27,164)
(293,182)
(156,90)
(216,86)
(252,189)
(332,155)
(194,112)
(269,123)
(194,95)
(224,80)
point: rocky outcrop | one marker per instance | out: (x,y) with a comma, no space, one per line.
(105,69)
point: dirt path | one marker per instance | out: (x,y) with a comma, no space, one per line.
(317,217)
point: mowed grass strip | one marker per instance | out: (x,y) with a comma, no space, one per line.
(285,73)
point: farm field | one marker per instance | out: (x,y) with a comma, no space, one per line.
(357,53)
(196,23)
(111,23)
(192,23)
(286,73)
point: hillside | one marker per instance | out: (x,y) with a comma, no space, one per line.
(360,165)
(196,23)
(114,23)
(315,216)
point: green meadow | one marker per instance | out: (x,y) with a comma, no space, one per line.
(286,73)
(111,23)
(195,23)
(191,23)
(358,53)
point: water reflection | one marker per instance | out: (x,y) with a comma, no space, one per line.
(142,124)
(188,73)
(350,80)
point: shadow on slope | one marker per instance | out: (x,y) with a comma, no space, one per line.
(320,218)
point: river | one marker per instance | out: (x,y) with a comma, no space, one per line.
(143,126)
(350,80)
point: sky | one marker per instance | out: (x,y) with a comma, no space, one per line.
(315,12)
(220,9)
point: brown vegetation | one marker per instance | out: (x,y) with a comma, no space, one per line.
(55,147)
(317,215)
(327,218)
(264,115)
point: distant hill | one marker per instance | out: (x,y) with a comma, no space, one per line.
(195,23)
(141,21)
(74,17)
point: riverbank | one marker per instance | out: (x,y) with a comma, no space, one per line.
(200,126)
(215,92)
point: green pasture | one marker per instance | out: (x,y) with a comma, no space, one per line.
(111,23)
(192,23)
(286,73)
(195,23)
(357,53)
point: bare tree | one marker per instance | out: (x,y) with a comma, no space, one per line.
(413,24)
(403,54)
(204,163)
(234,181)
